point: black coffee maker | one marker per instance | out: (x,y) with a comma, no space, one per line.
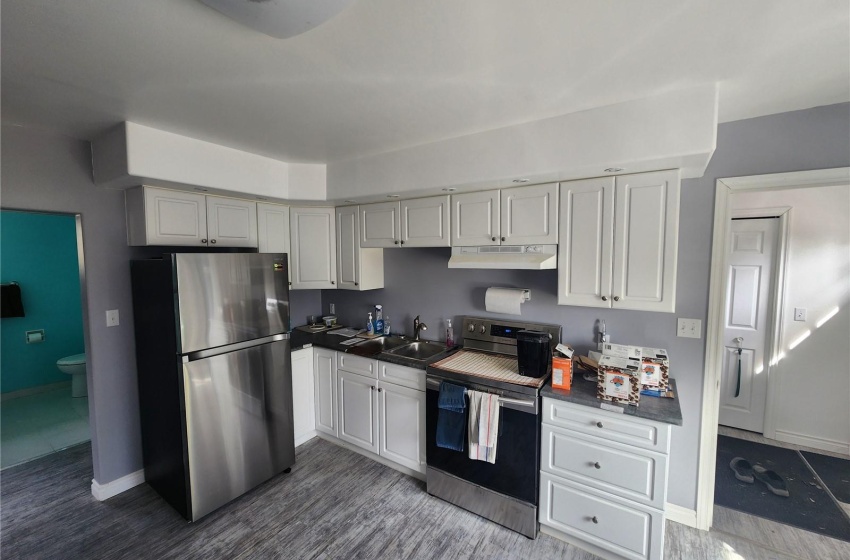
(534,353)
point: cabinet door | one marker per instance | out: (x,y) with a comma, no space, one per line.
(231,222)
(172,218)
(379,225)
(303,395)
(358,404)
(425,222)
(402,425)
(476,219)
(530,215)
(646,231)
(347,248)
(324,375)
(273,230)
(313,251)
(585,242)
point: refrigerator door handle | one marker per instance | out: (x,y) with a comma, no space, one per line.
(210,352)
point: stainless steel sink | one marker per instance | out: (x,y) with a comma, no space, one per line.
(419,350)
(382,344)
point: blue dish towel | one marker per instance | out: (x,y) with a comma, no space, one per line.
(451,416)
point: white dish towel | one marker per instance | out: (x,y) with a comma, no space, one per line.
(483,425)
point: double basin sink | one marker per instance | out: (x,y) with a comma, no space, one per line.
(402,347)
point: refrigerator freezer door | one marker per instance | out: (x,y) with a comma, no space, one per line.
(225,298)
(239,424)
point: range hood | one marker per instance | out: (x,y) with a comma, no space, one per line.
(515,257)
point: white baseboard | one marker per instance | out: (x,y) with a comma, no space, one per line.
(681,515)
(832,445)
(105,491)
(304,438)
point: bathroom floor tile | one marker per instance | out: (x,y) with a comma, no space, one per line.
(38,424)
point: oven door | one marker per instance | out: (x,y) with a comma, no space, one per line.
(516,470)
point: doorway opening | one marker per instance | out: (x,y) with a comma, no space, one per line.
(752,401)
(44,406)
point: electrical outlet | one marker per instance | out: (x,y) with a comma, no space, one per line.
(799,313)
(112,318)
(689,328)
(332,309)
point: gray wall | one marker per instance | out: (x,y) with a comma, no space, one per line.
(418,281)
(48,172)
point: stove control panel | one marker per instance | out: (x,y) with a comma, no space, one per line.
(496,335)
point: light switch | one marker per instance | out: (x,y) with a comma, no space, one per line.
(112,318)
(689,328)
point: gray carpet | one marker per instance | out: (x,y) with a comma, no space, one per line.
(334,504)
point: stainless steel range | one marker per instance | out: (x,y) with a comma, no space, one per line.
(505,491)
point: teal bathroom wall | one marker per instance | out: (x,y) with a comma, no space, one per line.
(39,252)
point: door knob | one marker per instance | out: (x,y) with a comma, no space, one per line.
(203,240)
(401,242)
(594,519)
(396,241)
(616,298)
(332,282)
(503,239)
(604,298)
(492,239)
(597,465)
(356,284)
(212,241)
(599,424)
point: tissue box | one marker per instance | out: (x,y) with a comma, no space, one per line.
(654,371)
(618,379)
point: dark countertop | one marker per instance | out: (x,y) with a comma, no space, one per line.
(300,339)
(658,409)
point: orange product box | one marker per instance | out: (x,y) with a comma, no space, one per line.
(562,373)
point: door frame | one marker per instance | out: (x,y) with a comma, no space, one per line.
(718,286)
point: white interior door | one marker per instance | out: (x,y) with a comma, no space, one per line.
(752,258)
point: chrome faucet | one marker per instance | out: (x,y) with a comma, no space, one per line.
(418,326)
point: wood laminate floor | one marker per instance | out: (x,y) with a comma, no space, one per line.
(334,504)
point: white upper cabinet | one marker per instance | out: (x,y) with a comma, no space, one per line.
(476,219)
(530,215)
(313,248)
(357,269)
(425,222)
(231,222)
(379,225)
(421,222)
(176,218)
(516,216)
(618,244)
(272,228)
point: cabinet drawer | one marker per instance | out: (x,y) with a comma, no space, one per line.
(624,528)
(358,364)
(624,470)
(402,375)
(654,436)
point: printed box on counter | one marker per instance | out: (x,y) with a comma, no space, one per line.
(621,351)
(618,379)
(655,369)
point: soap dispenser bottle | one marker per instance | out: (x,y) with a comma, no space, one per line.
(450,334)
(370,327)
(379,319)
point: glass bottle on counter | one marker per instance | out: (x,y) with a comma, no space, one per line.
(387,325)
(450,334)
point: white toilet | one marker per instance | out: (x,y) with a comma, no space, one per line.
(75,366)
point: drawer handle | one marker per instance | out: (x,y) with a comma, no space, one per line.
(599,424)
(380,390)
(373,387)
(594,519)
(597,465)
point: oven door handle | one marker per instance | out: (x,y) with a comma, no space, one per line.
(503,401)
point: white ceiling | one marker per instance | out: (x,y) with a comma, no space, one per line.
(388,74)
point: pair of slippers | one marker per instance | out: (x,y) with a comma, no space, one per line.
(745,472)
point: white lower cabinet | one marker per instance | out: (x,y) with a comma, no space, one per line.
(357,396)
(303,395)
(603,480)
(401,425)
(367,410)
(324,375)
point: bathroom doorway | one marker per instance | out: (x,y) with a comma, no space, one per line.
(43,392)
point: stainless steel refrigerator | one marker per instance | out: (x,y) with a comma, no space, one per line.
(215,374)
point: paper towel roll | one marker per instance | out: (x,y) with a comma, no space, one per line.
(505,300)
